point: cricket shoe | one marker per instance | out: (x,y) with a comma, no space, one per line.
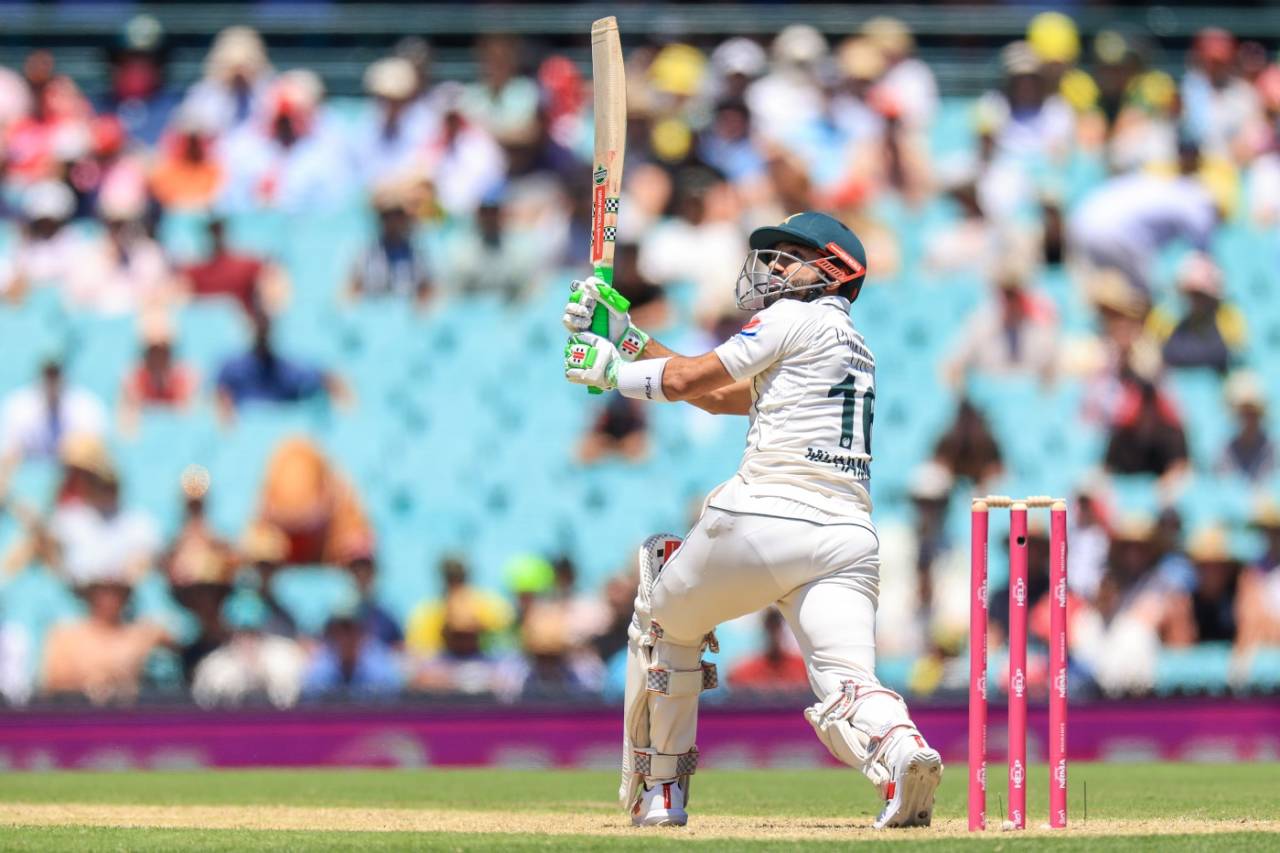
(660,805)
(909,795)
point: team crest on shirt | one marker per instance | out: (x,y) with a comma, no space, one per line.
(751,328)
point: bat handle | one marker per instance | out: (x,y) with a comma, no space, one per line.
(600,318)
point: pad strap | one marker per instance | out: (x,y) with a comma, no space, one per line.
(674,682)
(657,765)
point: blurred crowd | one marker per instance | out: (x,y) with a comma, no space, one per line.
(1086,159)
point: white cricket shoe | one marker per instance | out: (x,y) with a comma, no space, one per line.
(661,805)
(909,795)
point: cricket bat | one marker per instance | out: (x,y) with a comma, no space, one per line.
(609,82)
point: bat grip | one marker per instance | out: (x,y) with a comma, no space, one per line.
(600,317)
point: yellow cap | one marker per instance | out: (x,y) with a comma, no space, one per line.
(1054,38)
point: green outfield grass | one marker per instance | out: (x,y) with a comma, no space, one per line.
(1216,807)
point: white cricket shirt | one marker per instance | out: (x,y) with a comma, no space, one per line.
(813,402)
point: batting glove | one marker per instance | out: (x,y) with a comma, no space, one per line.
(584,296)
(591,360)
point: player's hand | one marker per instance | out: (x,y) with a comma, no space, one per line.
(591,360)
(584,296)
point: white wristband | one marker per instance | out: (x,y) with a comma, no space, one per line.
(642,380)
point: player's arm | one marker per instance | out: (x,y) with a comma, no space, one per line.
(726,397)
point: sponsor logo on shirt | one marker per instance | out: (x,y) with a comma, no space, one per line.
(749,330)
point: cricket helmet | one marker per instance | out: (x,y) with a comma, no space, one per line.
(844,263)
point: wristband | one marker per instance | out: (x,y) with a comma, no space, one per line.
(642,380)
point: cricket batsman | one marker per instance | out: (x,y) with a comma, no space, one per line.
(792,527)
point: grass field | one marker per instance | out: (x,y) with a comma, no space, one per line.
(1130,807)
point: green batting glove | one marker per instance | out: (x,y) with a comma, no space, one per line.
(592,361)
(589,296)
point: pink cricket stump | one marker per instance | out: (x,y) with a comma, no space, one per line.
(1058,666)
(978,667)
(1018,665)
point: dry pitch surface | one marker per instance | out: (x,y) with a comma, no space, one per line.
(1130,807)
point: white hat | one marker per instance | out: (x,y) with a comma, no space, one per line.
(799,44)
(740,56)
(392,78)
(930,481)
(1243,388)
(48,200)
(235,49)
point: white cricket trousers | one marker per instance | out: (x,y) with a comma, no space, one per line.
(823,577)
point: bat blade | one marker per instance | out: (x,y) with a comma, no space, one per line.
(609,83)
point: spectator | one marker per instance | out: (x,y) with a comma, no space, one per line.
(262,375)
(585,615)
(253,662)
(393,265)
(45,247)
(907,82)
(1207,611)
(777,668)
(553,665)
(1217,103)
(1123,646)
(452,640)
(186,175)
(57,113)
(237,75)
(619,598)
(123,270)
(968,448)
(477,615)
(502,101)
(387,141)
(292,157)
(1212,332)
(1250,452)
(1128,219)
(158,380)
(1173,570)
(35,419)
(311,503)
(728,144)
(736,63)
(264,548)
(103,165)
(374,619)
(200,567)
(255,283)
(1016,335)
(788,95)
(102,655)
(351,663)
(464,162)
(495,255)
(1258,600)
(930,492)
(138,94)
(1034,123)
(621,428)
(1087,527)
(700,242)
(96,527)
(1146,434)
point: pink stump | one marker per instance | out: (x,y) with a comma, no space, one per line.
(978,667)
(1018,665)
(1058,667)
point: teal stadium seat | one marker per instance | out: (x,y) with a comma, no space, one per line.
(1202,668)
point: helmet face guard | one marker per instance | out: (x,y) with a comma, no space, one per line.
(760,283)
